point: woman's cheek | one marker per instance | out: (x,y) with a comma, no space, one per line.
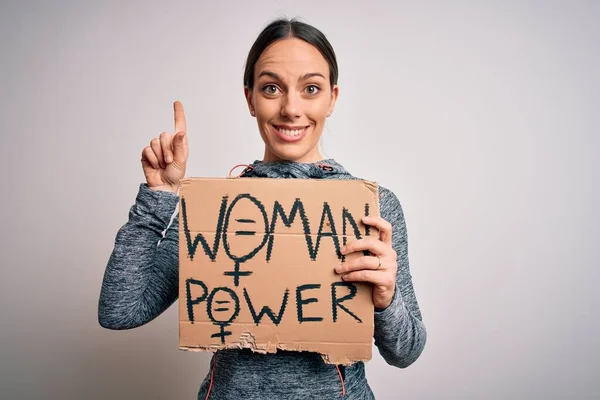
(319,110)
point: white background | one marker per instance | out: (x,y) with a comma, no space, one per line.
(481,116)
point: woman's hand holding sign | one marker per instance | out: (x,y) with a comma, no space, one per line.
(165,159)
(380,268)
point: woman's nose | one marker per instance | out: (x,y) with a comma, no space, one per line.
(291,106)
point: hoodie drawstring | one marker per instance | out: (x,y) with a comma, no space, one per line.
(341,380)
(248,168)
(212,373)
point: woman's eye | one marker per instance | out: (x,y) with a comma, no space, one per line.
(312,89)
(270,89)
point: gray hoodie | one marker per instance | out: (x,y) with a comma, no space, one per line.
(141,281)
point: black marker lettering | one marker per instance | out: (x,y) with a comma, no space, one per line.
(348,218)
(335,302)
(212,254)
(267,310)
(320,233)
(222,323)
(236,273)
(297,207)
(188,292)
(300,302)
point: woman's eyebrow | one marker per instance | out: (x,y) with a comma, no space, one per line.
(310,75)
(269,73)
(302,78)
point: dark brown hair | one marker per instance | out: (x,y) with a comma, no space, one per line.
(284,28)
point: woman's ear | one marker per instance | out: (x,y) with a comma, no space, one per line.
(334,96)
(248,96)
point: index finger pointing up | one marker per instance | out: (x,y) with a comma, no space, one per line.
(179,117)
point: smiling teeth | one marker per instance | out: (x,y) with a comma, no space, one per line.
(295,132)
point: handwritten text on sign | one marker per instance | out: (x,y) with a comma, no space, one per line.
(260,234)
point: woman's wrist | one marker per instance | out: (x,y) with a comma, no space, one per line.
(165,188)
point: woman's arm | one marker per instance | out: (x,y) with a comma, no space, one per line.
(400,333)
(141,277)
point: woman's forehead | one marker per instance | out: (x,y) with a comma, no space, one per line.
(291,56)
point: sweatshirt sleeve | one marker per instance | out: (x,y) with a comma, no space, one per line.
(141,277)
(400,334)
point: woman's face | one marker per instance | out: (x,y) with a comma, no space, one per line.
(291,98)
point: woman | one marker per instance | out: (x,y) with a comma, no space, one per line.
(290,84)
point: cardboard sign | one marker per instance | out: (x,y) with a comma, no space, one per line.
(256,266)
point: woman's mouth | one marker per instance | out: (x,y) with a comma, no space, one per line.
(290,133)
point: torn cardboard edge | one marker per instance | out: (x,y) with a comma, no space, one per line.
(248,341)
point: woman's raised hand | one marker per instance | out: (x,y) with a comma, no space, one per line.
(164,160)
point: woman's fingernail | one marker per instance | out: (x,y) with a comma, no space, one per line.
(168,158)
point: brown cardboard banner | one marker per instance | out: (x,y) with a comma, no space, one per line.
(256,266)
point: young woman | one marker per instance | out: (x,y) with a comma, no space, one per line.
(290,84)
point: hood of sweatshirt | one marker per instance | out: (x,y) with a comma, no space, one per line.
(324,169)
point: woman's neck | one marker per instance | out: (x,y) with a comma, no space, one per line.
(312,157)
